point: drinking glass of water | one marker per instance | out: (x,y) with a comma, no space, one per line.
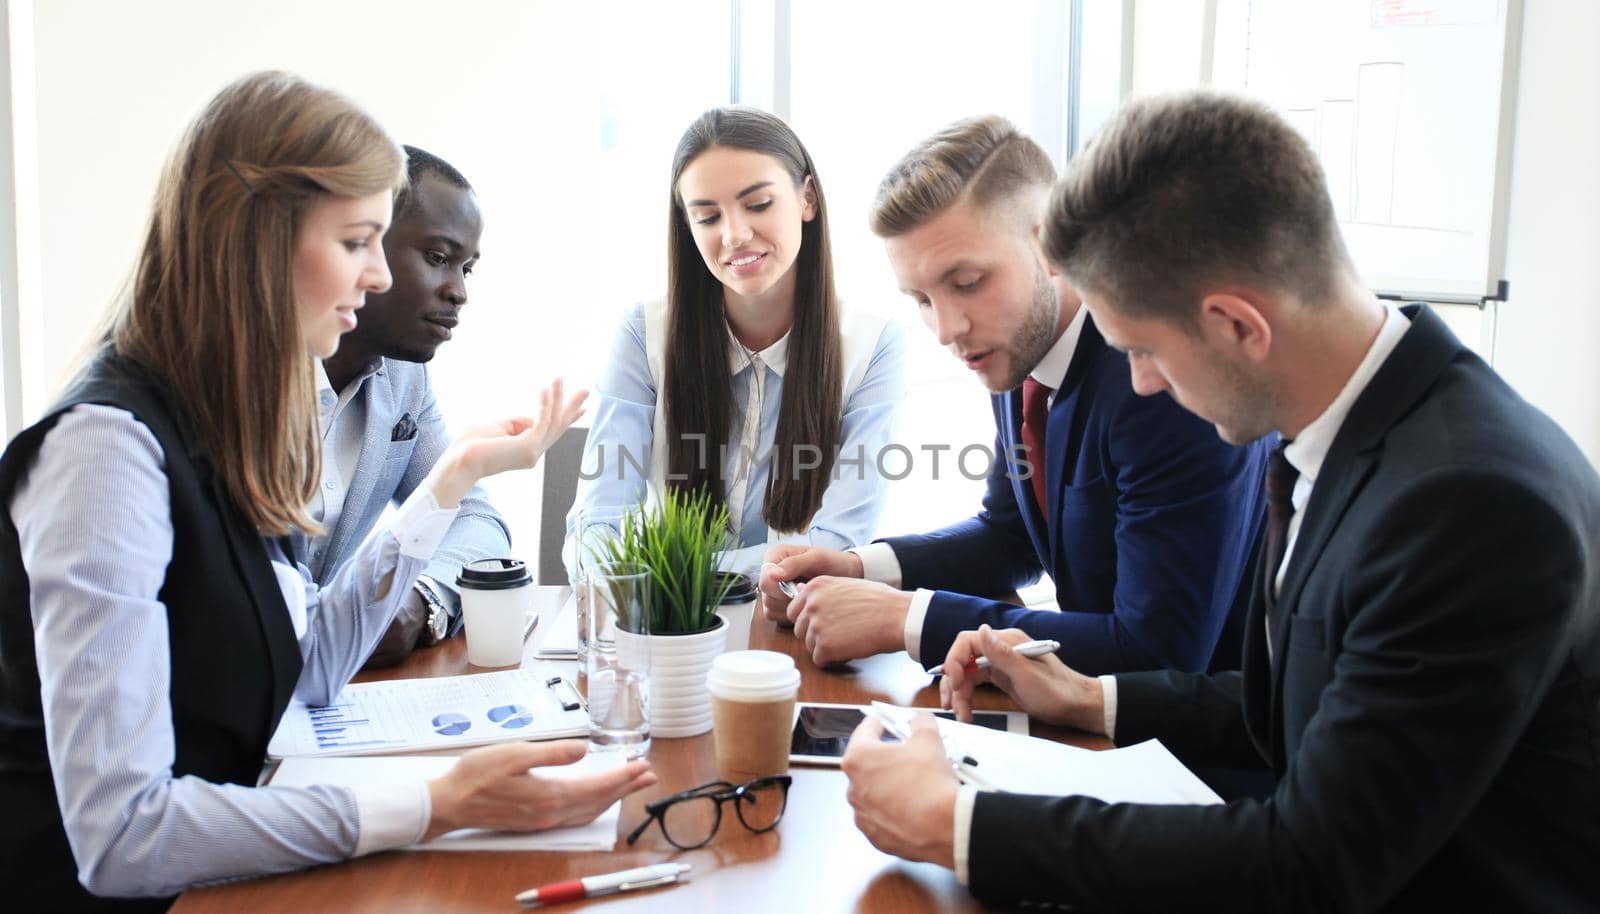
(618,660)
(596,526)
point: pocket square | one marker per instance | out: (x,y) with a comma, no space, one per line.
(404,430)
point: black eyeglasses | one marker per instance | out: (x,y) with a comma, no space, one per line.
(690,819)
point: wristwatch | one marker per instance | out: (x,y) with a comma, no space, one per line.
(436,625)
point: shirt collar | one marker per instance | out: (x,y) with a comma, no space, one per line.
(327,396)
(1310,448)
(1052,369)
(775,357)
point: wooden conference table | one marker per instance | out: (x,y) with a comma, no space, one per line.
(815,861)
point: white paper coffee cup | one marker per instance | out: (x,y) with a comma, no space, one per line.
(495,597)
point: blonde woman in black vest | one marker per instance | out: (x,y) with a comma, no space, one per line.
(154,621)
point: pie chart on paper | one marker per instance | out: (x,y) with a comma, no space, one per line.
(451,724)
(511,716)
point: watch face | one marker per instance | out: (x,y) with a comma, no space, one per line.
(438,623)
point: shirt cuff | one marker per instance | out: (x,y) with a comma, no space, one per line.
(420,525)
(879,563)
(914,616)
(1108,688)
(390,815)
(965,798)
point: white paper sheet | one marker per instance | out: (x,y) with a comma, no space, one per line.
(1142,773)
(557,635)
(445,712)
(599,835)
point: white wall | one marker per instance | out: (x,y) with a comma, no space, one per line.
(1550,328)
(527,98)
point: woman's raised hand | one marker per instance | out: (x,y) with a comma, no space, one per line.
(510,444)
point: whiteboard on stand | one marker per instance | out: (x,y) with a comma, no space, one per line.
(1409,105)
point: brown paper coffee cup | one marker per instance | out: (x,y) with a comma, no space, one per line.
(752,713)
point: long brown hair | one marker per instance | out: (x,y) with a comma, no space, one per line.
(210,308)
(697,387)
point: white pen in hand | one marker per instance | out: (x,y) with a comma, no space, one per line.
(643,877)
(1030,649)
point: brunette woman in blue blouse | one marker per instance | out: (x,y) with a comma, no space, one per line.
(154,619)
(749,381)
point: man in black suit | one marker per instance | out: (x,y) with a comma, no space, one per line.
(1422,652)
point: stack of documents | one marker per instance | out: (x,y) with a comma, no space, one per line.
(599,835)
(446,712)
(1142,773)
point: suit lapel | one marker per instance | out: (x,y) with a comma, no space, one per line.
(1257,698)
(1400,382)
(1058,430)
(378,424)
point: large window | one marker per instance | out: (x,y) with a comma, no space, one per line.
(867,81)
(590,217)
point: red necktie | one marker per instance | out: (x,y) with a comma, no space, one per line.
(1035,416)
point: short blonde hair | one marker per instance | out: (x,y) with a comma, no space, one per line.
(211,310)
(985,158)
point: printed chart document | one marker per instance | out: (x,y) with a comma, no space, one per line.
(599,835)
(445,712)
(1143,773)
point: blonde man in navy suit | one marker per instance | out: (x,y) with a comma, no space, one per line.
(382,430)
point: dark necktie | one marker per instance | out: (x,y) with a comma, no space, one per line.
(1281,476)
(1035,416)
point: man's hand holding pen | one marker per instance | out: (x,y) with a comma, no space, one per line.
(903,793)
(1047,689)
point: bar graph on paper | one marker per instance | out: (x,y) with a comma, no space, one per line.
(440,713)
(1403,101)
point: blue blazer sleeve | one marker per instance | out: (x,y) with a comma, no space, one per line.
(1154,519)
(1186,509)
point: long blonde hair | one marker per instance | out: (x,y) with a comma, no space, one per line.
(210,308)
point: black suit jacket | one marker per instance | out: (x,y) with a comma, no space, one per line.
(1434,711)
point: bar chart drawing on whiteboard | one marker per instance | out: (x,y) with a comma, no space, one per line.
(1407,105)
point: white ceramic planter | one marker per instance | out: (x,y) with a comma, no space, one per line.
(680,703)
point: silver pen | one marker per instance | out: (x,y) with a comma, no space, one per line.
(1030,649)
(643,877)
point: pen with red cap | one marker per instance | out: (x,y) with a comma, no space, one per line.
(643,877)
(1026,649)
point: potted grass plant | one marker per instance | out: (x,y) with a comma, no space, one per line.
(678,538)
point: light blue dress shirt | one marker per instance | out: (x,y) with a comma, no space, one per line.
(616,459)
(94,524)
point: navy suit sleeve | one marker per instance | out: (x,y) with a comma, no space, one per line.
(1187,509)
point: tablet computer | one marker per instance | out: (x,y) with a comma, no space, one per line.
(822,731)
